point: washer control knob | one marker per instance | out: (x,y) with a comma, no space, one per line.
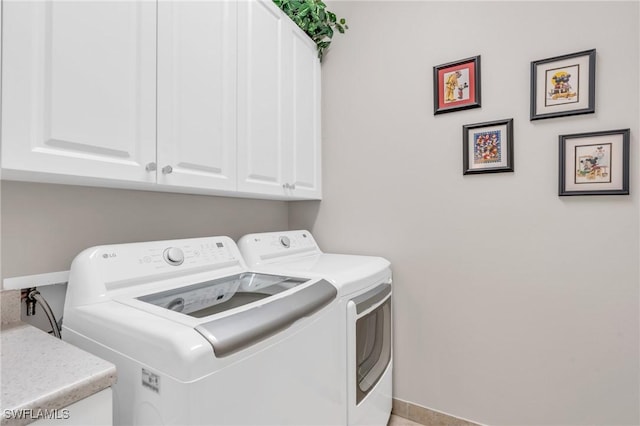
(174,256)
(284,240)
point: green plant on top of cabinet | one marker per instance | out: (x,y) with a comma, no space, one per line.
(313,17)
(190,97)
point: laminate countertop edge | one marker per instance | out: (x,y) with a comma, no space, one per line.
(41,372)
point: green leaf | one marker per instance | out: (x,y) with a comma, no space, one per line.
(303,12)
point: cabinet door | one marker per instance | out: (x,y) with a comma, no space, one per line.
(197,94)
(305,169)
(262,97)
(79,89)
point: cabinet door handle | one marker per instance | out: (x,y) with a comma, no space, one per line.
(167,170)
(151,167)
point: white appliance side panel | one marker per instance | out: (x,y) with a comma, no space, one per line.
(261,97)
(79,88)
(292,378)
(197,93)
(296,381)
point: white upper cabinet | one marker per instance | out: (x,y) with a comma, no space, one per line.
(278,105)
(79,89)
(305,170)
(197,94)
(263,99)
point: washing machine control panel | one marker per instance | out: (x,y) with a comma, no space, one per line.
(122,262)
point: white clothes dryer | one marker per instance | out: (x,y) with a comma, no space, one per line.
(364,291)
(199,339)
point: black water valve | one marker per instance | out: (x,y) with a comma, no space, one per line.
(27,294)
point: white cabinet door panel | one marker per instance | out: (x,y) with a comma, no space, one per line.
(306,173)
(79,88)
(197,93)
(261,97)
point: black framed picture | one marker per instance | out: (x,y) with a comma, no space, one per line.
(456,85)
(594,163)
(487,147)
(563,85)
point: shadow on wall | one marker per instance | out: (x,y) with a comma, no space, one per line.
(306,214)
(56,222)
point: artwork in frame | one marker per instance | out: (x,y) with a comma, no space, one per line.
(487,147)
(563,85)
(456,85)
(595,163)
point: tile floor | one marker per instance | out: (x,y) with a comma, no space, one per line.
(401,421)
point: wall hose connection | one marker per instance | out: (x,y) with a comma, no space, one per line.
(33,297)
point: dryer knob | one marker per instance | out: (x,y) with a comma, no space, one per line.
(174,256)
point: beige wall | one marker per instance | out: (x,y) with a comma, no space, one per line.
(512,305)
(45,226)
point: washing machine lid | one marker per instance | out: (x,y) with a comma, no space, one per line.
(232,333)
(222,294)
(237,311)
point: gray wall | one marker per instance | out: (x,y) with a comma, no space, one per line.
(512,305)
(45,226)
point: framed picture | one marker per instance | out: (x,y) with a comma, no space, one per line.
(456,85)
(487,147)
(563,85)
(595,163)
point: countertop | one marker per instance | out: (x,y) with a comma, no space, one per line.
(40,371)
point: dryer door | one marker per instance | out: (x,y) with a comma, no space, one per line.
(373,338)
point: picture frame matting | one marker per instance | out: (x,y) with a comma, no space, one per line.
(456,85)
(563,85)
(594,163)
(487,147)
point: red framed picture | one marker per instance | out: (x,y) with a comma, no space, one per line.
(456,85)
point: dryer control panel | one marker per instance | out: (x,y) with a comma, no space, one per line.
(269,247)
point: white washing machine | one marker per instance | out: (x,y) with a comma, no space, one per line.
(197,338)
(364,291)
